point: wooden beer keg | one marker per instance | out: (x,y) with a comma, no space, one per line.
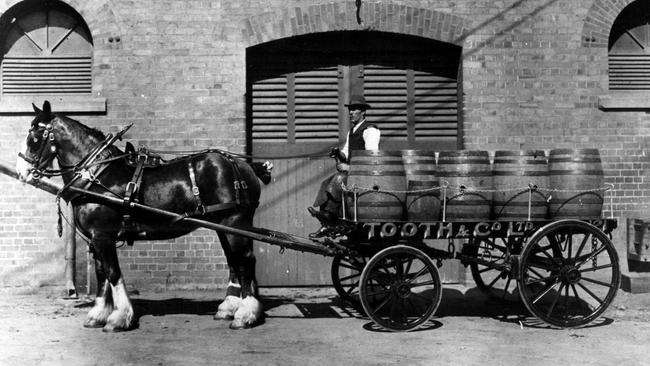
(468,174)
(423,200)
(381,181)
(424,203)
(419,165)
(513,172)
(580,173)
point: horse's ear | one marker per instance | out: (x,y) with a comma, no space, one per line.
(47,109)
(36,110)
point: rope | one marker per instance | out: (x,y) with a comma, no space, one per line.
(323,153)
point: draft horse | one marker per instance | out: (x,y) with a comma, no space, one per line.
(209,177)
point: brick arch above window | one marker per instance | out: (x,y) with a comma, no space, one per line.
(599,20)
(102,24)
(378,16)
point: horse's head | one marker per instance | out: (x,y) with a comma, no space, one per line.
(41,146)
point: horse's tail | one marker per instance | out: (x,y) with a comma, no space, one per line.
(262,170)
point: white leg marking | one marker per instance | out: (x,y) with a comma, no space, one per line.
(228,307)
(122,316)
(99,313)
(249,312)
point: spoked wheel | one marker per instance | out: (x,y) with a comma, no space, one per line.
(494,276)
(569,273)
(346,272)
(400,288)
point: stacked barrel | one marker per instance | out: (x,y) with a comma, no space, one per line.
(464,185)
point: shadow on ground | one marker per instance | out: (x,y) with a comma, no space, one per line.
(319,304)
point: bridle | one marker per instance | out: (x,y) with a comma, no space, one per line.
(46,152)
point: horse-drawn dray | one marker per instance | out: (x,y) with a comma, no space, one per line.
(564,269)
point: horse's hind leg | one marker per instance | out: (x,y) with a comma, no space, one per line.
(121,318)
(103,301)
(241,260)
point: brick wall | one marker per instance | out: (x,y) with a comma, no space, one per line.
(532,75)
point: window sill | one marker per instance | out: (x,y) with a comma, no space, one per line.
(60,103)
(622,101)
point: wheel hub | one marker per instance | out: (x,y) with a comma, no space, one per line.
(403,290)
(571,275)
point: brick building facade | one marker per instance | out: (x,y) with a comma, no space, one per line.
(534,76)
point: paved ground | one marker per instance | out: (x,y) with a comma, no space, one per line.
(312,327)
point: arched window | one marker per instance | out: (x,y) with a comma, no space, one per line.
(629,49)
(47,53)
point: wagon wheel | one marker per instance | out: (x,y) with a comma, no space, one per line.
(496,278)
(569,273)
(346,272)
(400,288)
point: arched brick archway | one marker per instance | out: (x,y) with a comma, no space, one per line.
(599,21)
(386,17)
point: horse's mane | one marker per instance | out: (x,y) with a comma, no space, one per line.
(99,135)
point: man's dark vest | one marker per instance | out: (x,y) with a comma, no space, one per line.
(356,142)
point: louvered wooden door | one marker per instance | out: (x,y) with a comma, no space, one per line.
(47,52)
(296,107)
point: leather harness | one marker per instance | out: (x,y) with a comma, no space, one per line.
(146,160)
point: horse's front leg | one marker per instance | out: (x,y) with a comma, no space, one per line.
(121,318)
(103,301)
(232,301)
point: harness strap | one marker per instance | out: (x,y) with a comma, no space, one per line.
(129,193)
(200,208)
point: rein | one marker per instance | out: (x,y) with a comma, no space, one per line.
(318,154)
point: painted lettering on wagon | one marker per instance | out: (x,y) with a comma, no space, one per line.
(445,230)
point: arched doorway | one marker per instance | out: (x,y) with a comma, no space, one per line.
(296,91)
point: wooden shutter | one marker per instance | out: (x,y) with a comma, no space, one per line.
(412,107)
(629,58)
(435,104)
(47,51)
(316,95)
(46,75)
(294,110)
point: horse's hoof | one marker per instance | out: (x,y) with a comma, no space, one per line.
(237,325)
(223,315)
(92,323)
(109,328)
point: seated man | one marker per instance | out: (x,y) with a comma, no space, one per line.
(362,136)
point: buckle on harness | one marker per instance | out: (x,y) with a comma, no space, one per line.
(131,187)
(195,190)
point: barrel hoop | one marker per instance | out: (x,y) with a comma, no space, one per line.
(375,162)
(574,151)
(556,159)
(418,161)
(443,175)
(531,173)
(379,204)
(420,172)
(463,161)
(535,203)
(519,161)
(575,172)
(376,153)
(468,203)
(378,173)
(522,153)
